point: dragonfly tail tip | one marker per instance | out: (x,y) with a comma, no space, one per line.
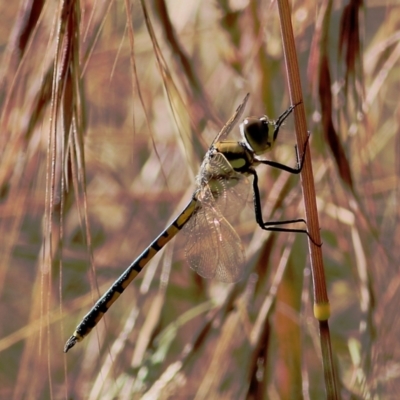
(70,343)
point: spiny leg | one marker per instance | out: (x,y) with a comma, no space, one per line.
(286,168)
(282,118)
(258,213)
(272,225)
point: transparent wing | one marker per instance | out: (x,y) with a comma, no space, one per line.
(232,121)
(229,188)
(213,248)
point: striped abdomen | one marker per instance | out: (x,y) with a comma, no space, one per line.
(104,303)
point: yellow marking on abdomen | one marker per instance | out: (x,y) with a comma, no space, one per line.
(106,301)
(169,234)
(131,277)
(111,300)
(99,316)
(78,336)
(150,254)
(186,214)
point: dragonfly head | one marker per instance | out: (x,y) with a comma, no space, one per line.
(258,133)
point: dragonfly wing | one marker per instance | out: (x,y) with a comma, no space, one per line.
(230,189)
(213,248)
(232,121)
(231,257)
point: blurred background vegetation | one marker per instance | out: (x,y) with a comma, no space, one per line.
(106,113)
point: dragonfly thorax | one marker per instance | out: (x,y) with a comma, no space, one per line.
(238,155)
(257,134)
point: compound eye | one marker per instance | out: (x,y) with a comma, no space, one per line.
(255,132)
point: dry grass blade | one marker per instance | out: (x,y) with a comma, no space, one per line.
(350,42)
(70,78)
(171,38)
(325,97)
(23,29)
(331,136)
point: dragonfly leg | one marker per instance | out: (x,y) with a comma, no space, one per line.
(286,168)
(272,225)
(282,118)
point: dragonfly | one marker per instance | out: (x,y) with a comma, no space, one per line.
(213,248)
